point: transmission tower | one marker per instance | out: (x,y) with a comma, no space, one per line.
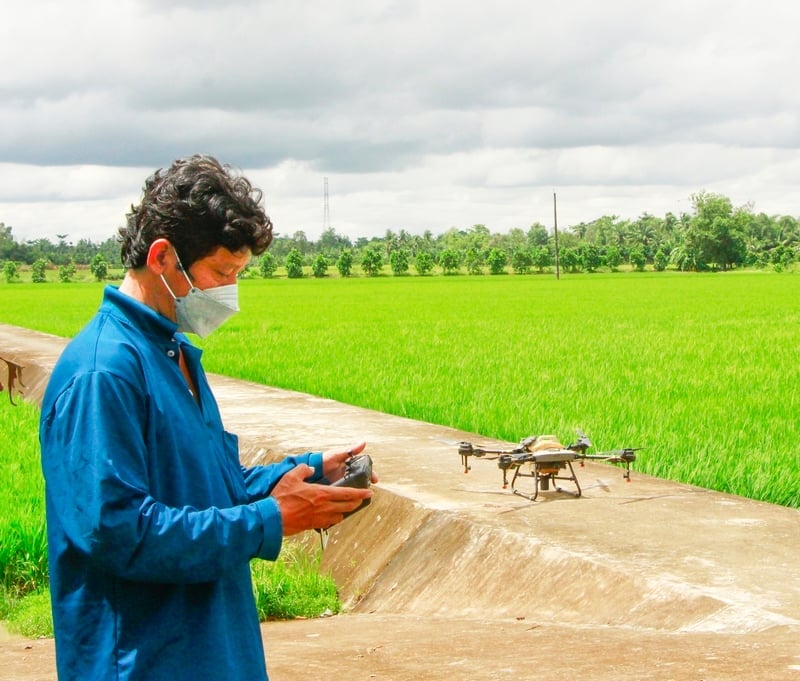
(326,216)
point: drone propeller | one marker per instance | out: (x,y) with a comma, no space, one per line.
(624,456)
(467,449)
(582,444)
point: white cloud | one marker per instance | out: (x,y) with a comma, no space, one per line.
(424,115)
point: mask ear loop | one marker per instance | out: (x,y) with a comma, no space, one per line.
(182,269)
(171,292)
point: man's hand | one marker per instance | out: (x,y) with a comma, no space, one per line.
(334,461)
(307,506)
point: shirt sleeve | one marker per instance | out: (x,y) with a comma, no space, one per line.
(260,480)
(95,461)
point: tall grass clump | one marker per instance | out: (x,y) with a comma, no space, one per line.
(23,536)
(293,586)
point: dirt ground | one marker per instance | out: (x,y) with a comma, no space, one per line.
(447,576)
(402,648)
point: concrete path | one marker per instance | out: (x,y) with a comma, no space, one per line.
(665,569)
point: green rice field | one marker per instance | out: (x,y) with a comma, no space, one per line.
(701,370)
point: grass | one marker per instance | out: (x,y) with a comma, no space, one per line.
(700,370)
(24,601)
(23,540)
(293,586)
(31,616)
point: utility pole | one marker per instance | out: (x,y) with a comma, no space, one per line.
(326,215)
(555,228)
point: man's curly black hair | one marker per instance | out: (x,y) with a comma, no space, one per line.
(198,205)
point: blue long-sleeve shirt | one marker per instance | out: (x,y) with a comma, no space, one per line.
(152,521)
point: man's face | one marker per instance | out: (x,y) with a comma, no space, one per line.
(218,268)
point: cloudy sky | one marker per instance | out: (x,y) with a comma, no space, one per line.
(422,115)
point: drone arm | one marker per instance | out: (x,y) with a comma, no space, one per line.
(624,456)
(467,449)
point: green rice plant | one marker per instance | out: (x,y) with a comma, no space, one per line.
(51,308)
(699,369)
(23,538)
(293,586)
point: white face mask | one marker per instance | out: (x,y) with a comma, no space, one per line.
(202,311)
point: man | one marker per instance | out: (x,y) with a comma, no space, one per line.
(152,521)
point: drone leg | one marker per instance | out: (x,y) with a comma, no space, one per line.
(574,478)
(514,480)
(529,497)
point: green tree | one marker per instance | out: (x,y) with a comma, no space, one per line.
(267,265)
(569,260)
(10,271)
(537,235)
(522,261)
(294,264)
(637,258)
(345,263)
(99,267)
(449,261)
(319,267)
(612,258)
(66,272)
(423,263)
(685,256)
(473,261)
(590,256)
(398,261)
(644,232)
(497,261)
(7,243)
(38,270)
(477,238)
(372,261)
(716,231)
(542,257)
(660,261)
(300,242)
(332,243)
(110,250)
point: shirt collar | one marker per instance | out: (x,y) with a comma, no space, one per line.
(140,315)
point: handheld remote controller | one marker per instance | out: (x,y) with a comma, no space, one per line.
(357,474)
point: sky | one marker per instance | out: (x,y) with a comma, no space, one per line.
(421,115)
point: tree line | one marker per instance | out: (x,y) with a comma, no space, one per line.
(714,235)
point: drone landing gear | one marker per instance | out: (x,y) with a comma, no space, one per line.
(545,469)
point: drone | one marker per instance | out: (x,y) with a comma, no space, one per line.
(546,460)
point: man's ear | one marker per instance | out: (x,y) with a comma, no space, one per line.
(161,256)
